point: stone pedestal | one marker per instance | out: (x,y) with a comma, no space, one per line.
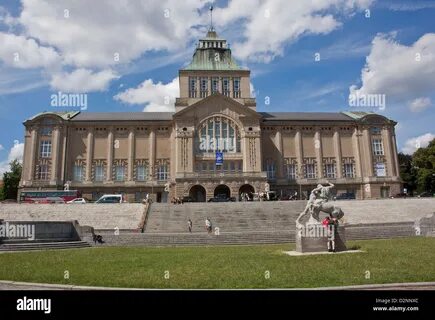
(315,237)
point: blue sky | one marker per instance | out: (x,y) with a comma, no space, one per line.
(69,46)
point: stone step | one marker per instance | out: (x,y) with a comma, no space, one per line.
(43,245)
(359,232)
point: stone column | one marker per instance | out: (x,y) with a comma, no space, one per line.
(319,154)
(55,155)
(388,151)
(280,163)
(64,152)
(337,151)
(190,153)
(395,155)
(89,155)
(246,151)
(130,164)
(299,153)
(33,153)
(152,153)
(368,153)
(109,171)
(356,152)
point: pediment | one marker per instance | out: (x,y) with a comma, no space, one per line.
(375,119)
(218,104)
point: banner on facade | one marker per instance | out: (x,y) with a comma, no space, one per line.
(219,158)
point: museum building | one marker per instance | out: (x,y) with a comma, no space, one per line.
(215,142)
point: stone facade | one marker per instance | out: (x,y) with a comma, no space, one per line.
(173,154)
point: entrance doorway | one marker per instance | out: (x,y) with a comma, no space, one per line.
(385,192)
(222,189)
(248,190)
(197,193)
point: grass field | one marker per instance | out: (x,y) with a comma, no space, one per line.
(388,261)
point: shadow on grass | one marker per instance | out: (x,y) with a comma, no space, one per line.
(354,247)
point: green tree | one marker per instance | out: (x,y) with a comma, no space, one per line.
(408,172)
(424,162)
(11,179)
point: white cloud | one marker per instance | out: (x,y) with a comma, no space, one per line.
(20,52)
(1,147)
(157,97)
(16,152)
(420,104)
(69,38)
(252,90)
(82,80)
(401,72)
(412,144)
(91,33)
(276,23)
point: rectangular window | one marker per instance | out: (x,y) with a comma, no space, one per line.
(310,171)
(43,172)
(162,172)
(214,85)
(46,131)
(291,171)
(236,87)
(271,170)
(99,173)
(119,173)
(204,87)
(378,148)
(232,166)
(192,87)
(380,169)
(330,170)
(78,173)
(45,149)
(349,170)
(375,130)
(141,173)
(226,86)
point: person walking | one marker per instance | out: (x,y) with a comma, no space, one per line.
(208,225)
(189,225)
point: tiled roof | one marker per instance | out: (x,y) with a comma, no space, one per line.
(123,116)
(304,116)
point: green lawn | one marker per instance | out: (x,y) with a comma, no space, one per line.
(388,261)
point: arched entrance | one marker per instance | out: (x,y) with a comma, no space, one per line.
(222,189)
(197,193)
(246,191)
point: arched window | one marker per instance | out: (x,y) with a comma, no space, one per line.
(218,134)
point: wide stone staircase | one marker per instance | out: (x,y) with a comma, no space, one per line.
(252,217)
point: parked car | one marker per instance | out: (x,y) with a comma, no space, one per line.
(111,198)
(187,199)
(272,196)
(425,194)
(77,200)
(400,195)
(222,198)
(345,196)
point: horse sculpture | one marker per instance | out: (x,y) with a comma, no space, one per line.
(317,203)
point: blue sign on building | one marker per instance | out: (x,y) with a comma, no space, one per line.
(219,158)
